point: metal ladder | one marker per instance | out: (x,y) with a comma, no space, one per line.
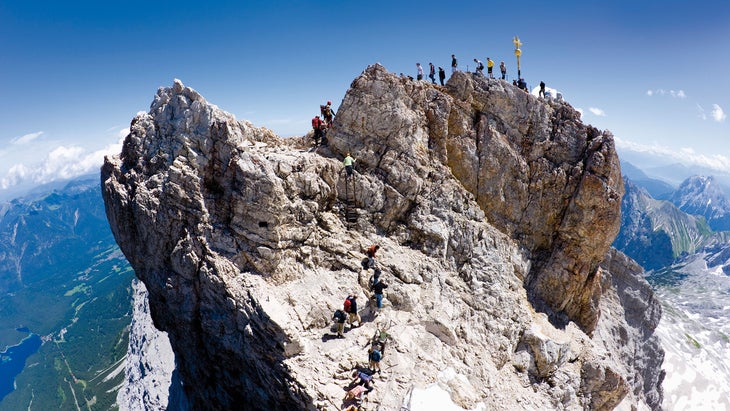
(350,202)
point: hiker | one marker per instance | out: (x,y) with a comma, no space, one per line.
(442,75)
(361,378)
(317,127)
(432,73)
(454,64)
(542,89)
(328,114)
(419,76)
(503,69)
(490,66)
(480,67)
(522,84)
(350,307)
(374,357)
(378,287)
(348,163)
(340,318)
(374,279)
(356,392)
(370,252)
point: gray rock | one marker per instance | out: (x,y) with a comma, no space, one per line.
(493,210)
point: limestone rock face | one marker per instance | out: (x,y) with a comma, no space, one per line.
(151,381)
(493,210)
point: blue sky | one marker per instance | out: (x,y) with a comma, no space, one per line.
(73,74)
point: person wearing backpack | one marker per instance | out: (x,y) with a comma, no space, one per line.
(317,127)
(328,114)
(340,318)
(350,307)
(378,287)
(442,75)
(374,357)
(432,73)
(480,67)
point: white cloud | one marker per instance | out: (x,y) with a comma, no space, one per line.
(671,93)
(63,162)
(687,155)
(27,138)
(597,111)
(718,114)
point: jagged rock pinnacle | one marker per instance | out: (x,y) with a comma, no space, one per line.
(494,211)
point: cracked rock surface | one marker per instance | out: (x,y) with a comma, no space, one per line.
(494,211)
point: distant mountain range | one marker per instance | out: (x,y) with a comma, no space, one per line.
(63,277)
(683,243)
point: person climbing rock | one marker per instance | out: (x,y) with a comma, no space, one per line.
(432,73)
(374,279)
(361,378)
(480,67)
(328,114)
(542,89)
(503,69)
(442,75)
(370,252)
(348,163)
(454,64)
(317,127)
(340,318)
(356,392)
(419,75)
(490,66)
(350,307)
(374,357)
(378,288)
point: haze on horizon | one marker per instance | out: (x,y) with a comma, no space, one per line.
(77,73)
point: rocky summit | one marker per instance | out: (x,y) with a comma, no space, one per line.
(494,211)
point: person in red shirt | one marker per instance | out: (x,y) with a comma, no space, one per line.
(317,126)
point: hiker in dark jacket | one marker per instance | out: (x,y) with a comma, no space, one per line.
(340,318)
(378,288)
(353,315)
(442,75)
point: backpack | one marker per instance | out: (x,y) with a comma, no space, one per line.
(339,316)
(327,111)
(376,356)
(347,305)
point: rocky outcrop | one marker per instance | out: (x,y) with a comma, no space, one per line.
(493,210)
(151,382)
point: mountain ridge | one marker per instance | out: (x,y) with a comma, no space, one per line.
(240,235)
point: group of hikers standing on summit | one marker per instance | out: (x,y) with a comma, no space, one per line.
(321,124)
(479,70)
